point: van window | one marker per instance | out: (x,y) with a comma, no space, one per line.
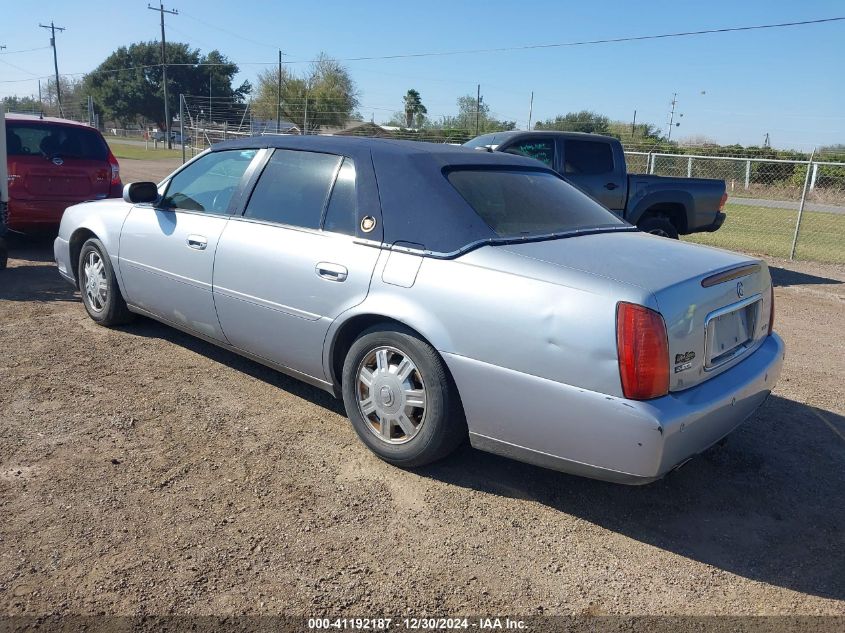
(49,140)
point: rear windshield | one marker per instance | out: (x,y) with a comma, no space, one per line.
(48,140)
(523,203)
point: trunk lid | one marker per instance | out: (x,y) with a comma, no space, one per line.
(715,303)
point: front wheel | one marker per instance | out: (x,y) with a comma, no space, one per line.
(658,225)
(400,398)
(98,286)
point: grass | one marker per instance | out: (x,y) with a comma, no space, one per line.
(121,149)
(769,231)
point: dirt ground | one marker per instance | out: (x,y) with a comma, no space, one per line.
(151,170)
(145,472)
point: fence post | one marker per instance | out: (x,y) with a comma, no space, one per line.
(813,177)
(182,125)
(801,206)
(650,163)
(689,167)
(747,173)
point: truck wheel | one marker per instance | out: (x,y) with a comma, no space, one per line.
(658,225)
(400,398)
(98,286)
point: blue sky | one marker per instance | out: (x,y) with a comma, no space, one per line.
(731,87)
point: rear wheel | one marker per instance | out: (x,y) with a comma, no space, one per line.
(400,398)
(658,225)
(98,286)
(4,254)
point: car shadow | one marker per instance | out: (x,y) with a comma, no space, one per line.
(153,329)
(767,505)
(786,277)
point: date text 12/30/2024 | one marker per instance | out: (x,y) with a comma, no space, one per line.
(425,624)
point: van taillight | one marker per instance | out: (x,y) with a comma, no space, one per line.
(115,169)
(772,308)
(723,201)
(643,352)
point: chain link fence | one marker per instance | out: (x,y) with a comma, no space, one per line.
(779,207)
(776,206)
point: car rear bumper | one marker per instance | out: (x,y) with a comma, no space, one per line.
(715,226)
(605,437)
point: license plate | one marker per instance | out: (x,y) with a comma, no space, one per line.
(729,331)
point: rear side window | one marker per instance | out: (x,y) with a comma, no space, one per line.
(522,203)
(587,157)
(342,212)
(540,149)
(293,188)
(49,140)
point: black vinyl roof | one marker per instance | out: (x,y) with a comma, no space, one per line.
(419,207)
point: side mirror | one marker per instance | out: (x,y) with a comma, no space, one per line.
(138,192)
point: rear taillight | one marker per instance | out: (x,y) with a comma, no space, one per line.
(643,352)
(723,201)
(115,169)
(772,308)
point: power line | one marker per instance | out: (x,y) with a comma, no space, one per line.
(24,50)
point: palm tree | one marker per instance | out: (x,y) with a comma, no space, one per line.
(414,109)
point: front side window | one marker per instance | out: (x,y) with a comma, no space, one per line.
(525,203)
(587,157)
(540,149)
(293,188)
(208,184)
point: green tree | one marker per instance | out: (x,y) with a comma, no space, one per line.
(583,121)
(127,86)
(468,110)
(415,111)
(325,96)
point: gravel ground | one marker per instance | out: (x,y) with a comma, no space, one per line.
(145,472)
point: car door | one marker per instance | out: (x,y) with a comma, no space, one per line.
(291,263)
(166,254)
(590,166)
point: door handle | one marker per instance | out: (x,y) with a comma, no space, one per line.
(197,241)
(332,272)
(611,186)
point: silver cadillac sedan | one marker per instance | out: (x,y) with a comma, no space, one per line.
(442,293)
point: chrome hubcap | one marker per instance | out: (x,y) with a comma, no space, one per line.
(94,282)
(391,395)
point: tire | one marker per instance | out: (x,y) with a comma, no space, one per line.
(658,225)
(428,432)
(101,298)
(4,254)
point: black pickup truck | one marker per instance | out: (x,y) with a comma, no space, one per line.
(596,164)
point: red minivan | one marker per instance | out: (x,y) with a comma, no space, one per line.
(53,164)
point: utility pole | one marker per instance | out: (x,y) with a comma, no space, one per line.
(279,95)
(634,125)
(477,107)
(672,115)
(53,28)
(530,109)
(162,11)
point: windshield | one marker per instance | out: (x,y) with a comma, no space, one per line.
(525,203)
(484,140)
